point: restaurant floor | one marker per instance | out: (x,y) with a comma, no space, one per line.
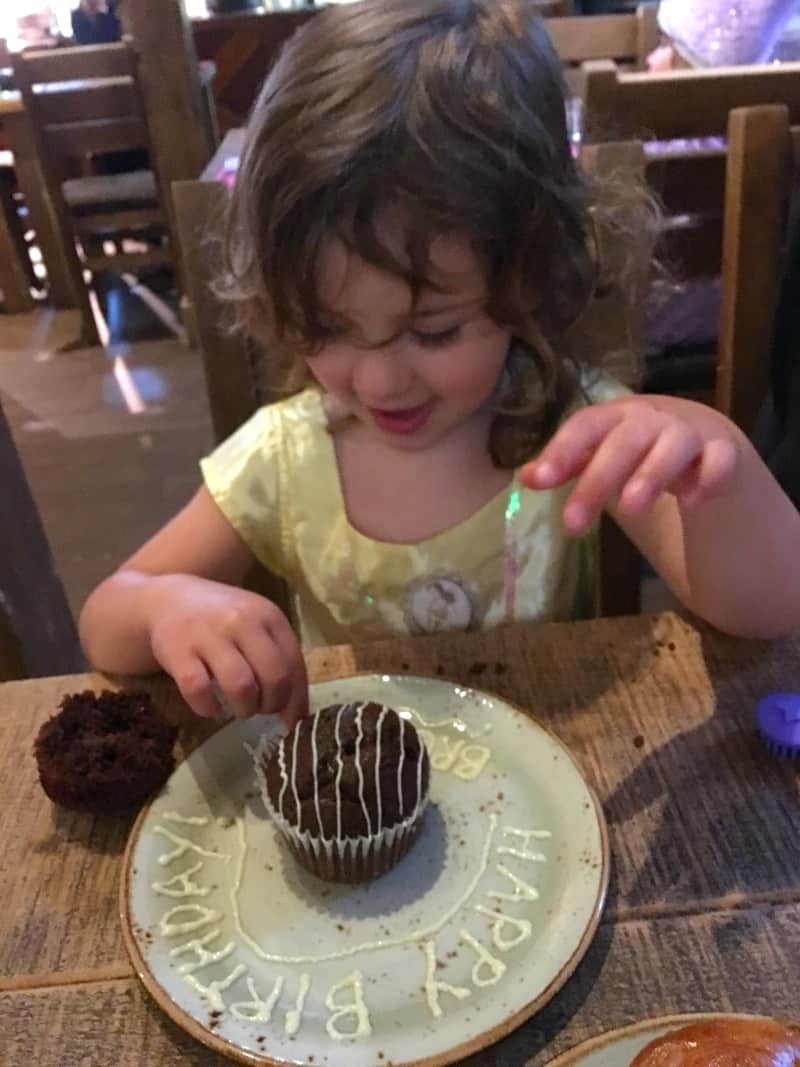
(109,437)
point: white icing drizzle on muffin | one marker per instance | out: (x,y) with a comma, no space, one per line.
(288,778)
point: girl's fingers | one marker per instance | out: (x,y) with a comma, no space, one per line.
(270,669)
(672,456)
(195,685)
(716,468)
(296,705)
(235,678)
(571,449)
(615,460)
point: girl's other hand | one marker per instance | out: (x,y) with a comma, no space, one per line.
(206,635)
(627,452)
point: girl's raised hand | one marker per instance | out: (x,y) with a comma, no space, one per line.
(218,641)
(627,452)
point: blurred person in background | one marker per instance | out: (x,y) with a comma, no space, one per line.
(96,22)
(33,25)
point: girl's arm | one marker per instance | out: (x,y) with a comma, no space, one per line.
(692,493)
(174,605)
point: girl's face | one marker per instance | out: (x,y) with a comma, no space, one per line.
(410,378)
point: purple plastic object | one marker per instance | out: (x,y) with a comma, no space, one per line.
(778,718)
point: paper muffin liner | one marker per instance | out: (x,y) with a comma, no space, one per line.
(341,859)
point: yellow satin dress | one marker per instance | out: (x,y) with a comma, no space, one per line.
(276,481)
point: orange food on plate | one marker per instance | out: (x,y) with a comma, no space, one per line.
(726,1043)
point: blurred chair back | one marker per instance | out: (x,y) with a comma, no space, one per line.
(83,102)
(16,269)
(37,633)
(760,179)
(725,210)
(237,372)
(611,326)
(626,40)
(554,8)
(681,103)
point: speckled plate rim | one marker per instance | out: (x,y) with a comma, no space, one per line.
(663,1023)
(458,1052)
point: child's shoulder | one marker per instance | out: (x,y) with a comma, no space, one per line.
(305,405)
(282,419)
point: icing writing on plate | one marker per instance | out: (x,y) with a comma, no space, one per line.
(451,755)
(453,723)
(364,946)
(184,845)
(506,852)
(182,885)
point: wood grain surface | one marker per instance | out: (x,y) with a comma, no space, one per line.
(704,910)
(742,961)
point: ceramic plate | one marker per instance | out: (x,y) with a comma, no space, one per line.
(473,931)
(618,1047)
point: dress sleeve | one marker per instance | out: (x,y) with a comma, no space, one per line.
(244,476)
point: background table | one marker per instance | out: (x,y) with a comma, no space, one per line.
(704,906)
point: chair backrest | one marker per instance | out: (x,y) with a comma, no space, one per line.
(626,39)
(235,377)
(80,101)
(681,103)
(554,8)
(84,100)
(761,175)
(724,215)
(37,633)
(236,374)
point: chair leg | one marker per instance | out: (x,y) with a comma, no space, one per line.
(14,278)
(36,626)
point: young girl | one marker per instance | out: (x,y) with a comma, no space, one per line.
(410,231)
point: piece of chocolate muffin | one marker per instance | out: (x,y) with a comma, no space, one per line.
(347,788)
(104,753)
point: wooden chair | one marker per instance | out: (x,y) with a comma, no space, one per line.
(627,40)
(761,176)
(16,269)
(83,101)
(37,633)
(554,8)
(743,242)
(236,376)
(620,105)
(725,212)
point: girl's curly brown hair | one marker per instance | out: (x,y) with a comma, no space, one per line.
(452,111)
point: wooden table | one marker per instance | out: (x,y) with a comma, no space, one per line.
(704,907)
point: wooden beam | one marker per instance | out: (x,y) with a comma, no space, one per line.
(172,91)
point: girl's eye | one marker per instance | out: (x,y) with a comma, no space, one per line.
(438,339)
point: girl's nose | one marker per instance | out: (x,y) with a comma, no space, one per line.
(381,373)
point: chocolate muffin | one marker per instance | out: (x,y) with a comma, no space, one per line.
(104,753)
(347,788)
(725,1043)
